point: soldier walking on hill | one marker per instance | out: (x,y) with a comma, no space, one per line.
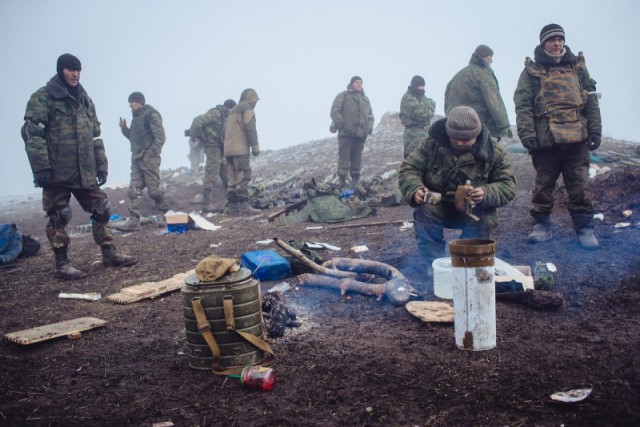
(62,140)
(147,137)
(558,118)
(416,112)
(353,118)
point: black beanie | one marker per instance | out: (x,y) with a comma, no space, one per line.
(418,81)
(137,97)
(69,61)
(229,103)
(484,50)
(354,78)
(551,30)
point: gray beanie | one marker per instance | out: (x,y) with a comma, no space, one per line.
(137,97)
(549,31)
(463,124)
(484,50)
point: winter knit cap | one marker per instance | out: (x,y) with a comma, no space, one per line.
(417,81)
(484,50)
(69,61)
(551,30)
(229,103)
(463,123)
(354,78)
(137,97)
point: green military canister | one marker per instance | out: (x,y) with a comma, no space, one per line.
(232,305)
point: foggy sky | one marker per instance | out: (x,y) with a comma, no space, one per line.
(187,56)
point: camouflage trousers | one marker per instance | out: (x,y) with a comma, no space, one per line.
(145,173)
(572,161)
(350,156)
(412,138)
(239,173)
(55,201)
(214,167)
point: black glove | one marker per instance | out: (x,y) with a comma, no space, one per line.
(593,141)
(101,179)
(42,178)
(531,144)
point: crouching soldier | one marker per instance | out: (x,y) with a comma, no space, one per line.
(62,140)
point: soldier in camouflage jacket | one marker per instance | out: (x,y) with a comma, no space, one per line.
(62,140)
(416,112)
(558,119)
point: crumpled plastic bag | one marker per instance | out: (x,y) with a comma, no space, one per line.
(214,267)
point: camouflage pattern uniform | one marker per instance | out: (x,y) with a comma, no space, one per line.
(147,137)
(241,138)
(211,127)
(353,117)
(437,167)
(196,148)
(62,134)
(560,115)
(476,86)
(416,112)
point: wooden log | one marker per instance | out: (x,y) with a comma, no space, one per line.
(367,224)
(312,265)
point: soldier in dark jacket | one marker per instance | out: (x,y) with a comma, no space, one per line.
(558,118)
(353,118)
(62,140)
(416,112)
(147,138)
(458,151)
(476,86)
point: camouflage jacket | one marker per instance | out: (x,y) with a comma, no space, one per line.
(241,133)
(211,126)
(533,123)
(416,110)
(436,166)
(476,86)
(62,133)
(352,114)
(146,133)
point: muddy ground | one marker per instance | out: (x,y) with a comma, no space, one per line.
(355,360)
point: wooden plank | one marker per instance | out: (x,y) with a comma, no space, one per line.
(149,289)
(431,311)
(68,328)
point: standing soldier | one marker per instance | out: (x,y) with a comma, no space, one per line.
(62,140)
(196,149)
(353,118)
(416,112)
(476,86)
(211,127)
(147,138)
(241,137)
(558,118)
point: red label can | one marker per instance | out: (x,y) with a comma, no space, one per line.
(258,378)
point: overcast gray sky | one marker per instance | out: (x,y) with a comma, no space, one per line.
(187,56)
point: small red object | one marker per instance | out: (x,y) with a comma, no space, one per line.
(258,378)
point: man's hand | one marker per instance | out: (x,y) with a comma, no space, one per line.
(42,178)
(123,123)
(477,195)
(594,141)
(255,149)
(531,144)
(418,198)
(101,179)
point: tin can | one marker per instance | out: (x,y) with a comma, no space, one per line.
(258,378)
(544,276)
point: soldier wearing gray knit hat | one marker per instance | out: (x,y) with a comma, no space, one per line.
(463,124)
(549,31)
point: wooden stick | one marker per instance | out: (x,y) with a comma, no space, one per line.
(366,224)
(315,267)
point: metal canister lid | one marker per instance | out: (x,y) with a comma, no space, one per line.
(240,276)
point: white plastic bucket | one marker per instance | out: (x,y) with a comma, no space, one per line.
(442,278)
(474,293)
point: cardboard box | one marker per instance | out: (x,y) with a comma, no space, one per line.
(526,280)
(179,223)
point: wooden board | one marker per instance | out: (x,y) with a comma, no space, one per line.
(149,289)
(431,311)
(68,328)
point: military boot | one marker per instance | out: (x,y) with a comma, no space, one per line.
(245,209)
(586,239)
(64,269)
(541,233)
(131,224)
(111,259)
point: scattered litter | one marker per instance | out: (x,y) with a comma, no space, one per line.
(572,396)
(406,225)
(315,227)
(149,289)
(215,245)
(280,287)
(202,223)
(68,328)
(599,216)
(622,224)
(359,249)
(163,424)
(264,242)
(114,217)
(121,202)
(627,213)
(431,311)
(92,296)
(321,245)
